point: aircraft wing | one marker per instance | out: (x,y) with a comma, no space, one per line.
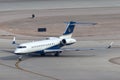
(84,49)
(66,49)
(53,50)
(77,49)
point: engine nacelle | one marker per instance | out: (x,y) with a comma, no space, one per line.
(63,42)
(67,41)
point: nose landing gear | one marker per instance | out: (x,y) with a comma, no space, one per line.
(20,58)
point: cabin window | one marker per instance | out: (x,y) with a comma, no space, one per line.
(21,47)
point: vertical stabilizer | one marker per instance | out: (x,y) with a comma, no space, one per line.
(69,30)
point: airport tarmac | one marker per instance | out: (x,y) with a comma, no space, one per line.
(72,65)
(97,63)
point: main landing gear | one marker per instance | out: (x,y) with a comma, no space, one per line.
(57,54)
(42,54)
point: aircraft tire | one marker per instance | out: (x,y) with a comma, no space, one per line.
(42,54)
(57,54)
(19,59)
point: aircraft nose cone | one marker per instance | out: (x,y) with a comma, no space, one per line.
(75,41)
(16,51)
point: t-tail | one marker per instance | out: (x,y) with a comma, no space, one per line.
(69,30)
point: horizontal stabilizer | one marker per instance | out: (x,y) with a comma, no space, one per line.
(87,23)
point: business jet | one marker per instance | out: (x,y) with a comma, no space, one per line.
(50,45)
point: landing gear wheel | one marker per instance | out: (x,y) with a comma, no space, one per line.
(57,54)
(20,58)
(42,54)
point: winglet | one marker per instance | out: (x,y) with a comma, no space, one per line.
(110,45)
(14,38)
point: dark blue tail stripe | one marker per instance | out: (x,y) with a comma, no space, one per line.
(70,28)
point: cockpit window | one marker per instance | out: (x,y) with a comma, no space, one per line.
(21,47)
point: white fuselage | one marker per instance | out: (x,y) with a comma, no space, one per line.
(51,43)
